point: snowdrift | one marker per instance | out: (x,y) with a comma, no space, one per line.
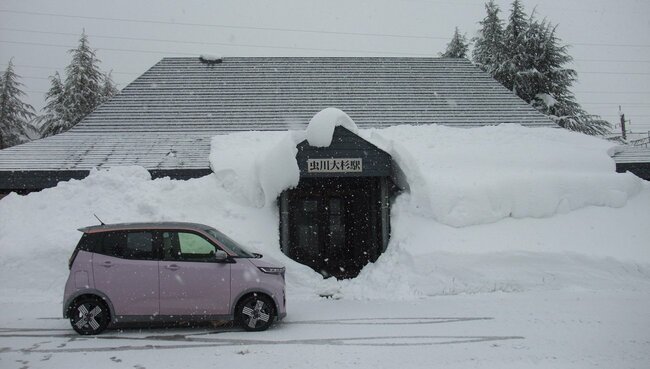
(463,177)
(489,209)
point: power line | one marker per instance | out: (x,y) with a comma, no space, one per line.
(618,73)
(615,92)
(626,114)
(618,103)
(607,45)
(182,42)
(278,29)
(162,52)
(34,77)
(612,61)
(61,68)
(100,48)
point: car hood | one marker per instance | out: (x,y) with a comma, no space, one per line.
(266,261)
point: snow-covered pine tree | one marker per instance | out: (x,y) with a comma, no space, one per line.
(108,87)
(52,121)
(457,47)
(548,82)
(81,91)
(514,56)
(488,44)
(14,114)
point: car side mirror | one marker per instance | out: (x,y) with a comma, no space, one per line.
(220,256)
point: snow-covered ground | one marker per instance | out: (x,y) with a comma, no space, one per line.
(530,229)
(552,329)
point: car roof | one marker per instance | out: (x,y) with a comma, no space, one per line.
(143,225)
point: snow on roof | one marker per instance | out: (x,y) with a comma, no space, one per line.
(463,177)
(631,154)
(321,126)
(458,177)
(181,102)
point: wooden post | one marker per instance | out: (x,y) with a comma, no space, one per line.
(623,133)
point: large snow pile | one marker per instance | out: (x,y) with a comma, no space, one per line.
(490,209)
(462,177)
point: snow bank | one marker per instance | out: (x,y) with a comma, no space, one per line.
(464,177)
(594,248)
(38,232)
(490,209)
(321,126)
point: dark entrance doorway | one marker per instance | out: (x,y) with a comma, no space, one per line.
(337,219)
(335,224)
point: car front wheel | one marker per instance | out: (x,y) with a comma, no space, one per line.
(255,312)
(89,315)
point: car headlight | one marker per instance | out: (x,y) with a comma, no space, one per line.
(271,270)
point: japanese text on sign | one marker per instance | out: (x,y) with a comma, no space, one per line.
(334,165)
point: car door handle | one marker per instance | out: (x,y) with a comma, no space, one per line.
(172,267)
(107,264)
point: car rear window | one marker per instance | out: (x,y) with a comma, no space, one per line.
(90,242)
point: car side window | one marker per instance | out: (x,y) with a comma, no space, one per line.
(138,245)
(186,246)
(113,244)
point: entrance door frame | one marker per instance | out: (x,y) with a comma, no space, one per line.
(348,156)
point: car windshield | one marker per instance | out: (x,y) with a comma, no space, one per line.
(233,246)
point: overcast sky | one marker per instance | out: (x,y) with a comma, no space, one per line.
(610,40)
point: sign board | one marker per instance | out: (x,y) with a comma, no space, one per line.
(332,165)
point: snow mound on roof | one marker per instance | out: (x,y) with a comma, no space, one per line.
(464,177)
(321,126)
(255,167)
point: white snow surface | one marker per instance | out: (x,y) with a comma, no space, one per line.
(489,209)
(321,126)
(464,177)
(255,167)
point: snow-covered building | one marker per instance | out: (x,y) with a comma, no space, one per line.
(635,159)
(165,119)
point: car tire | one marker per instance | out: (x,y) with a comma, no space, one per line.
(255,312)
(89,315)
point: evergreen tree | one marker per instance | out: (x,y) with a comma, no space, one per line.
(52,122)
(82,91)
(457,47)
(14,114)
(488,44)
(527,57)
(547,85)
(108,87)
(514,56)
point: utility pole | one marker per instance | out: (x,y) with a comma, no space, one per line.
(623,133)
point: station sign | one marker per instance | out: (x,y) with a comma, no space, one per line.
(335,165)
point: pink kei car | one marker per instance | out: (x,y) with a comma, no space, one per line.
(143,272)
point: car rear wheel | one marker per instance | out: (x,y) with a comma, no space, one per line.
(89,315)
(255,312)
